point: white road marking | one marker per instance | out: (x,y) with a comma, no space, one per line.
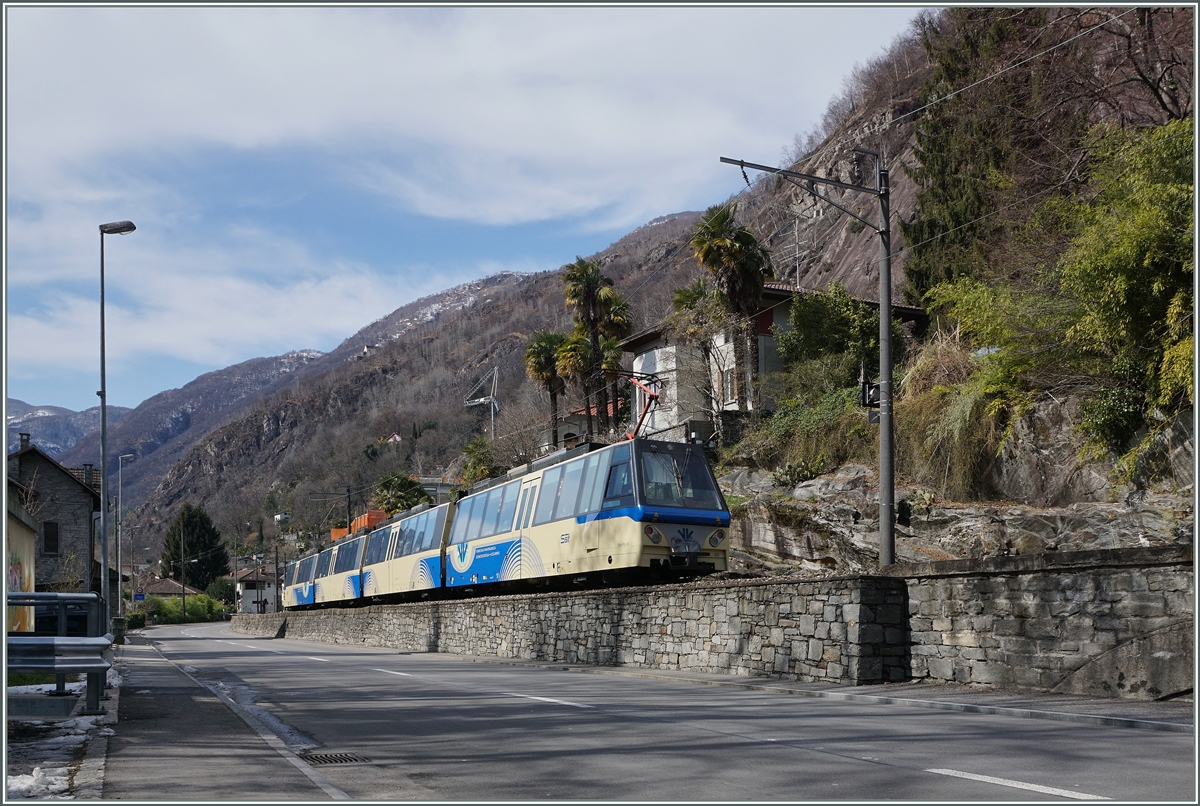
(266,735)
(252,646)
(389,671)
(548,699)
(323,660)
(1045,790)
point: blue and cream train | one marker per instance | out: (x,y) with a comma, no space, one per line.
(609,513)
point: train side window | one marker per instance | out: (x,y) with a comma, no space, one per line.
(593,483)
(323,562)
(551,480)
(428,534)
(465,520)
(289,576)
(422,538)
(491,512)
(508,506)
(376,546)
(347,556)
(568,496)
(619,490)
(306,569)
(410,530)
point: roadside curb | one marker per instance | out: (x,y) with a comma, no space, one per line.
(775,688)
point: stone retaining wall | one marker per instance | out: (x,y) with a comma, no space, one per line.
(844,630)
(1110,623)
(1115,623)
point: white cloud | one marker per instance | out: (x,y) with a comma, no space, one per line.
(606,117)
(599,103)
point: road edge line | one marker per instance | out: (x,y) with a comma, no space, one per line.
(273,741)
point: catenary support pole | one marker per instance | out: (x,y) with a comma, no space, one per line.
(887,480)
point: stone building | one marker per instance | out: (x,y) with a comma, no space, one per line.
(65,504)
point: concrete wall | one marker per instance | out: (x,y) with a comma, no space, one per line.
(845,630)
(1109,623)
(1116,623)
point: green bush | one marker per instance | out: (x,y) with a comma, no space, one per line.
(199,608)
(135,621)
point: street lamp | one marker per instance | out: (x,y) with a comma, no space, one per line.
(120,518)
(114,228)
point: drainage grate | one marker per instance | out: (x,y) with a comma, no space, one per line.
(334,758)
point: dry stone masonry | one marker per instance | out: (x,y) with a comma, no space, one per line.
(1110,623)
(843,630)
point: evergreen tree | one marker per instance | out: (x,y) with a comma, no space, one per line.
(194,544)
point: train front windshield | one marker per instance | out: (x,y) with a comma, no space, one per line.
(676,474)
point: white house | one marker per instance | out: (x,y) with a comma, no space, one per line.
(256,589)
(684,406)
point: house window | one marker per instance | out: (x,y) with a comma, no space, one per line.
(50,537)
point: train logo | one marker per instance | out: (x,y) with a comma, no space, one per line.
(685,540)
(461,556)
(370,582)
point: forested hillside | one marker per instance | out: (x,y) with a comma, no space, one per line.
(1041,167)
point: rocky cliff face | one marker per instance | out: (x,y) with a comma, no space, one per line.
(830,524)
(166,425)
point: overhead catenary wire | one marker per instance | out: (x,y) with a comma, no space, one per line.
(883,127)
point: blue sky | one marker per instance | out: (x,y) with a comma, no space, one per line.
(296,173)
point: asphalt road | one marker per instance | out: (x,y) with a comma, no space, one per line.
(438,727)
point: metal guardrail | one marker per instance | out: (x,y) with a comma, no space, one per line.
(62,654)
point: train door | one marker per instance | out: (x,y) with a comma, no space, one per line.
(524,516)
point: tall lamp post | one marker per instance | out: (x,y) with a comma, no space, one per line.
(121,460)
(887,484)
(114,228)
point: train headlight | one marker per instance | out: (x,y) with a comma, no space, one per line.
(716,537)
(653,534)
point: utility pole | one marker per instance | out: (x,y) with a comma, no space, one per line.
(887,483)
(182,566)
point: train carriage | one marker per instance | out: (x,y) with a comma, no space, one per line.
(339,571)
(298,582)
(641,504)
(633,507)
(406,556)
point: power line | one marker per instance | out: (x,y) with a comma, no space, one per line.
(949,95)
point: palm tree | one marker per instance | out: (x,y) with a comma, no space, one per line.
(616,325)
(541,365)
(588,292)
(611,362)
(699,313)
(738,266)
(575,363)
